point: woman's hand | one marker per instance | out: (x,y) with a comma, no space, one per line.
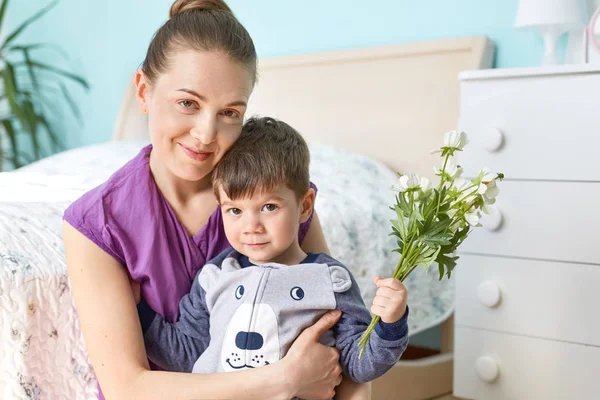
(312,370)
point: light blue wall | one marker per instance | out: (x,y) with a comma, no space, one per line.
(107,39)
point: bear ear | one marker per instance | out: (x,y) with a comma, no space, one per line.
(208,276)
(340,279)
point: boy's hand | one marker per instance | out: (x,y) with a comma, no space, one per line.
(390,300)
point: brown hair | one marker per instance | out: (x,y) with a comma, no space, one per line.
(267,154)
(203,25)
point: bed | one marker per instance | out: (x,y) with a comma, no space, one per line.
(366,114)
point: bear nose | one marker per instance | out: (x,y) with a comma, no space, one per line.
(249,340)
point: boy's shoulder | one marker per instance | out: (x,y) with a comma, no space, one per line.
(322,258)
(222,256)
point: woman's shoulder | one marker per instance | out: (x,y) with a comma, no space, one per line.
(124,183)
(127,190)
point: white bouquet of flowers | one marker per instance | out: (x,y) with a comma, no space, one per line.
(431,222)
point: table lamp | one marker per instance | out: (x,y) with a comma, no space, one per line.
(551,18)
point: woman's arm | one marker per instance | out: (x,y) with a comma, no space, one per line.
(314,242)
(113,336)
(349,390)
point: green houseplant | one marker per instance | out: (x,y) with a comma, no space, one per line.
(29,90)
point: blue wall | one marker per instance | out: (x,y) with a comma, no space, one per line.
(107,39)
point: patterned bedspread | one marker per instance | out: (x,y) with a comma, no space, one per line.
(42,353)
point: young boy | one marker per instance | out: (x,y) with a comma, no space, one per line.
(256,298)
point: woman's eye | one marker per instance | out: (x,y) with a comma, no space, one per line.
(231,114)
(297,293)
(234,211)
(269,207)
(186,103)
(239,292)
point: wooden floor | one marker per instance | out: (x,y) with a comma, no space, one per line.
(447,397)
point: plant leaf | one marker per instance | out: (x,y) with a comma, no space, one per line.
(12,138)
(71,102)
(26,23)
(21,47)
(2,12)
(33,134)
(56,143)
(11,91)
(59,71)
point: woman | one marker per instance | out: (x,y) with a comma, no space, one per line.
(155,220)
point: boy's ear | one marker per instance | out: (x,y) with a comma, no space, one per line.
(307,203)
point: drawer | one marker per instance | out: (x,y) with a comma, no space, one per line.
(536,298)
(549,126)
(527,368)
(543,220)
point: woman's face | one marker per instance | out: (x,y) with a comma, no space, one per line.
(195,110)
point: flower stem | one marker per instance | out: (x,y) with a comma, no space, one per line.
(442,176)
(405,266)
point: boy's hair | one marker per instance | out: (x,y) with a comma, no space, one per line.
(268,153)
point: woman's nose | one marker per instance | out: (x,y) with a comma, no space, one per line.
(205,129)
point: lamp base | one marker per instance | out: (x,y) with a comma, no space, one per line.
(550,45)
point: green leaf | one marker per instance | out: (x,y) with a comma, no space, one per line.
(448,262)
(55,141)
(26,23)
(400,226)
(12,138)
(71,102)
(11,92)
(436,241)
(428,257)
(35,46)
(2,12)
(438,227)
(32,120)
(59,71)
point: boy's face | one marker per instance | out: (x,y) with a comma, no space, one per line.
(265,226)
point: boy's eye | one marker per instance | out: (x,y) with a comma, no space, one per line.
(234,211)
(269,207)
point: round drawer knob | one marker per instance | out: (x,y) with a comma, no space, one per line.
(493,220)
(488,293)
(487,369)
(492,139)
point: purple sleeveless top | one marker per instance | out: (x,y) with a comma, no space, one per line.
(128,218)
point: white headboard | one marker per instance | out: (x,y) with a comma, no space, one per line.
(392,103)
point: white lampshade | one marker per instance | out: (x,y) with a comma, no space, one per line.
(540,14)
(550,18)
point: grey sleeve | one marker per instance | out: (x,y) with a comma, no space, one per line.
(176,347)
(382,350)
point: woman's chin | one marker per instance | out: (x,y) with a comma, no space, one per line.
(192,173)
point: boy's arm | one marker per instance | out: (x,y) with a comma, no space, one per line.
(176,347)
(384,348)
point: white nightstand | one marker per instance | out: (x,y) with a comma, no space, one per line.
(527,284)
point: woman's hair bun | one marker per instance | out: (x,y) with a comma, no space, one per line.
(181,6)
